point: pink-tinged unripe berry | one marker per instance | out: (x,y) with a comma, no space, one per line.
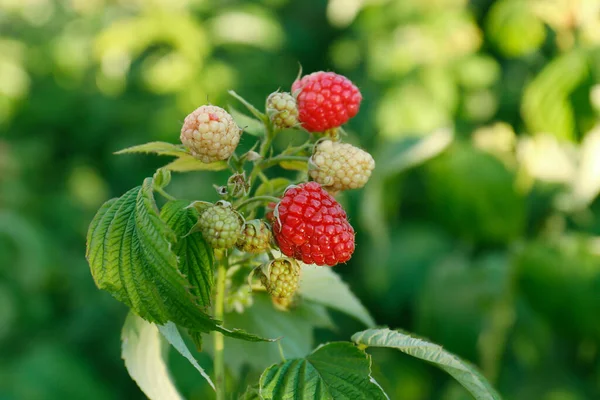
(340,166)
(325,100)
(311,226)
(210,134)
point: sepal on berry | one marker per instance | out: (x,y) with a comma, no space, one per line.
(255,237)
(238,185)
(281,277)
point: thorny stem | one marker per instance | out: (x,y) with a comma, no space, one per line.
(218,338)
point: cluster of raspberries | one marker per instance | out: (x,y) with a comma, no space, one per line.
(308,224)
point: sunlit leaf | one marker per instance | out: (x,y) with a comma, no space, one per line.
(399,156)
(187,163)
(160,148)
(463,372)
(294,165)
(170,332)
(323,286)
(333,371)
(514,28)
(546,106)
(142,353)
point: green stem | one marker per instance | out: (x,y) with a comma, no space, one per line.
(218,338)
(165,194)
(265,199)
(261,166)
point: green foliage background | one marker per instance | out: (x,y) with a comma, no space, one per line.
(491,249)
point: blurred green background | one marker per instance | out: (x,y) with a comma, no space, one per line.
(490,248)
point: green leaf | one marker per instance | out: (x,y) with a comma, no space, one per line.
(294,328)
(160,148)
(187,163)
(323,286)
(393,159)
(546,106)
(260,116)
(514,28)
(142,353)
(130,255)
(195,256)
(478,188)
(248,124)
(273,187)
(333,371)
(397,157)
(463,372)
(170,332)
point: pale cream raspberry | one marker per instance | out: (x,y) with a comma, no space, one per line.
(340,166)
(210,134)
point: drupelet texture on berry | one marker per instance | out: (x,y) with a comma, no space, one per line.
(255,237)
(210,134)
(340,166)
(325,100)
(281,277)
(282,110)
(220,225)
(310,225)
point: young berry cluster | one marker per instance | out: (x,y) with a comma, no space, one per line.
(281,278)
(307,223)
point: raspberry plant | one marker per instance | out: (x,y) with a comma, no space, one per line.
(193,266)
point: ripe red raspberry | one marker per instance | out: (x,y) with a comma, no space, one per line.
(325,100)
(311,226)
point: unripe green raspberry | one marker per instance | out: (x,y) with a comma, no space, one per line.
(281,108)
(220,225)
(340,166)
(255,238)
(281,277)
(210,133)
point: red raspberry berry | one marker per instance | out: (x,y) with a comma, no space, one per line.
(325,100)
(311,226)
